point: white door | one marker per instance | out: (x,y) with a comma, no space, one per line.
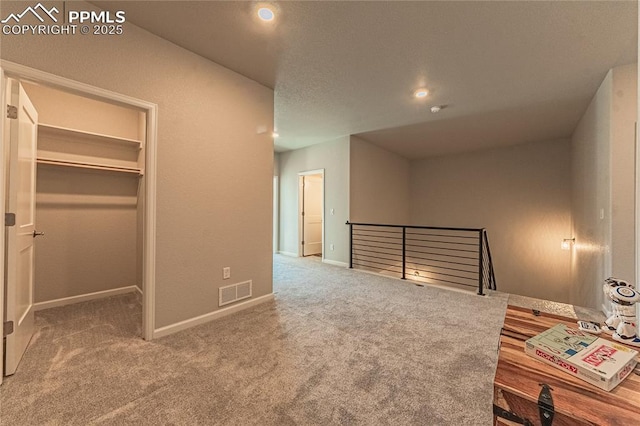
(20,247)
(312,219)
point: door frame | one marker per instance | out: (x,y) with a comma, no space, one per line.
(301,175)
(4,134)
(276,214)
(20,72)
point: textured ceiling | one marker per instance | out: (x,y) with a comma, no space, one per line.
(507,72)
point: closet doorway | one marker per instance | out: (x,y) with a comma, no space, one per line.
(311,213)
(93,173)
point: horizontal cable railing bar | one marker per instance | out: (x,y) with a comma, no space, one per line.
(472,265)
(377,267)
(438,276)
(379,247)
(389,255)
(464,265)
(396,237)
(379,231)
(445,281)
(367,257)
(382,231)
(397,258)
(441,267)
(442,273)
(410,232)
(389,250)
(373,265)
(393,274)
(386,244)
(442,248)
(415,227)
(378,238)
(443,242)
(362,254)
(442,254)
(390,242)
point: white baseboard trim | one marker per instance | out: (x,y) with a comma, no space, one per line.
(139,289)
(335,262)
(83,298)
(287,253)
(183,325)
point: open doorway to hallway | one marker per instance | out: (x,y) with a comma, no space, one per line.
(311,213)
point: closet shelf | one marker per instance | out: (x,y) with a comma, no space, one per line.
(48,129)
(91,166)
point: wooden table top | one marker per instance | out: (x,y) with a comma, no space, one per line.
(521,375)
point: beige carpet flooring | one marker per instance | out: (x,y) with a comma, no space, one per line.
(336,346)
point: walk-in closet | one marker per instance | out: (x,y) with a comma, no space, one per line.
(89,198)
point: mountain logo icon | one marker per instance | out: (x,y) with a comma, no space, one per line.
(34,11)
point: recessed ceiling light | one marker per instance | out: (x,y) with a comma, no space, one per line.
(421,93)
(266,14)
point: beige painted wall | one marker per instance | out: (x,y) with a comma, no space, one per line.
(89,217)
(623,117)
(603,202)
(214,183)
(521,195)
(333,156)
(276,202)
(64,109)
(89,220)
(379,184)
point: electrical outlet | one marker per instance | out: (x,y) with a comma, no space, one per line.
(226,273)
(331,247)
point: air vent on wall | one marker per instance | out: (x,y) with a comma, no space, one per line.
(234,292)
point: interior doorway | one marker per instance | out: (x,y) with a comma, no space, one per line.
(311,213)
(121,168)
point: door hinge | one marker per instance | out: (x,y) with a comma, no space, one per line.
(7,328)
(545,405)
(546,410)
(12,112)
(9,219)
(511,416)
(303,243)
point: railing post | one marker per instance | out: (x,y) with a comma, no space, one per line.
(350,245)
(492,275)
(404,251)
(480,262)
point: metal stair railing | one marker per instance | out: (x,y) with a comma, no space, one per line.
(424,254)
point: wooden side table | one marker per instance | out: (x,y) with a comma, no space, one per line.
(520,379)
